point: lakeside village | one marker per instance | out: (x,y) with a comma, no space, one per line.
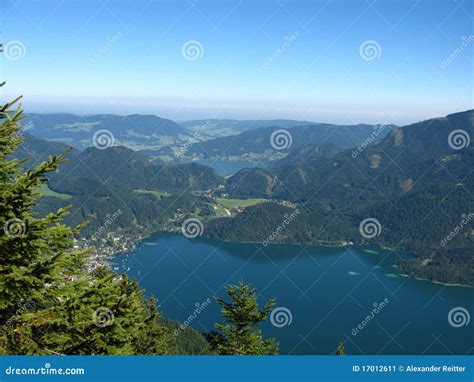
(104,248)
(109,240)
(105,242)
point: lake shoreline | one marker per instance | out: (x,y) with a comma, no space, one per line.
(199,268)
(434,281)
(322,244)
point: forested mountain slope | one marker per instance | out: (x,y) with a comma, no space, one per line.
(418,183)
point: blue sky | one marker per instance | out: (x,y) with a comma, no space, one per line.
(256,59)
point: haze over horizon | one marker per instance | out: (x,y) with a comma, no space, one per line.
(363,62)
(329,117)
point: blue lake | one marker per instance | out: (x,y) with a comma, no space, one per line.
(228,168)
(326,293)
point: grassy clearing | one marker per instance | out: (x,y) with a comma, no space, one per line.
(159,194)
(236,203)
(46,191)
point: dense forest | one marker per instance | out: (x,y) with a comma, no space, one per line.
(417,187)
(50,304)
(411,181)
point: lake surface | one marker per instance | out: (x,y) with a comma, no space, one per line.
(227,167)
(327,291)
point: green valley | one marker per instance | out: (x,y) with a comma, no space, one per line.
(333,190)
(239,203)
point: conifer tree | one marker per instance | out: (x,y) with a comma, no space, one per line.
(239,334)
(35,253)
(154,338)
(49,304)
(340,349)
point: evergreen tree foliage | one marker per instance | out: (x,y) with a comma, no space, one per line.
(340,349)
(239,333)
(35,253)
(49,304)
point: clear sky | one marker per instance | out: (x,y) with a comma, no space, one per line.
(253,59)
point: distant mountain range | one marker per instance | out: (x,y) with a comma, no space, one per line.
(413,182)
(400,158)
(135,131)
(167,141)
(118,182)
(224,127)
(123,167)
(260,142)
(416,183)
(37,150)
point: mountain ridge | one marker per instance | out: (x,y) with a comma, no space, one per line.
(400,182)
